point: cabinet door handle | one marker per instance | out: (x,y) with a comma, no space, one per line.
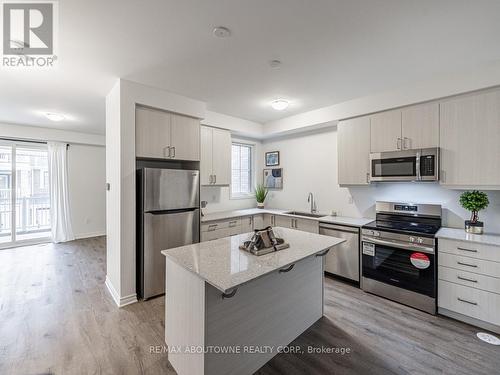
(229,294)
(466,279)
(165,153)
(467,264)
(405,144)
(469,250)
(296,226)
(210,179)
(232,223)
(215,178)
(469,302)
(173,155)
(212,227)
(368,178)
(398,143)
(323,253)
(288,269)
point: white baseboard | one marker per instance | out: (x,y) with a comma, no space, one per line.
(89,235)
(120,301)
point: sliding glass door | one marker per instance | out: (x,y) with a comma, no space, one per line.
(24,189)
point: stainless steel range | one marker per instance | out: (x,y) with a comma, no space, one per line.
(399,253)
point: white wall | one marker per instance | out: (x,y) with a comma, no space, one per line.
(309,163)
(87,194)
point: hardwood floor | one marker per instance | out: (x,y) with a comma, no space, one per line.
(56,317)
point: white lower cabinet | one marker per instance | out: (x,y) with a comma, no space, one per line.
(258,221)
(220,229)
(469,282)
(247,224)
(229,227)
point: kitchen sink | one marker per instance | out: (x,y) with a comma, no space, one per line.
(306,214)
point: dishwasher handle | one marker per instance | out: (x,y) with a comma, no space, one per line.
(340,228)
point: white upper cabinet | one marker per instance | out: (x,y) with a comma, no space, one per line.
(206,156)
(420,126)
(405,129)
(152,133)
(164,135)
(385,131)
(215,156)
(470,140)
(353,151)
(185,137)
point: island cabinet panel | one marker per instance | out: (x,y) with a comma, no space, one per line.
(469,139)
(272,310)
(353,144)
(185,320)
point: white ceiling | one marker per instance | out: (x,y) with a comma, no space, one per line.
(332,51)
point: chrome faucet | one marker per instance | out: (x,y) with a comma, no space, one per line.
(310,199)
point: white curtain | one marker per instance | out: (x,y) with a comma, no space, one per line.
(60,215)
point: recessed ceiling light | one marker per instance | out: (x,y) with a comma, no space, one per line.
(222,32)
(280,104)
(54,116)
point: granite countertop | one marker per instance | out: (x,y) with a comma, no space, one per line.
(240,213)
(341,220)
(462,235)
(224,266)
(344,220)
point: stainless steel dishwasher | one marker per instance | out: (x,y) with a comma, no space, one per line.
(343,260)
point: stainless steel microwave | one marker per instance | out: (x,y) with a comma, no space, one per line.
(408,165)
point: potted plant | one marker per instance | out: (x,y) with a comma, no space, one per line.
(474,201)
(260,195)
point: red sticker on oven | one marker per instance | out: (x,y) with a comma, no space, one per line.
(419,260)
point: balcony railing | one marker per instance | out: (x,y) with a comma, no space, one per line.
(32,215)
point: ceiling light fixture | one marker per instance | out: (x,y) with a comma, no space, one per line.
(280,104)
(222,32)
(54,116)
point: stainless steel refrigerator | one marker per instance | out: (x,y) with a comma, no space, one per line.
(168,217)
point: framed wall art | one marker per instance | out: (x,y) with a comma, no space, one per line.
(273,178)
(272,158)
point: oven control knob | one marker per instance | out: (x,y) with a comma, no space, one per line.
(420,240)
(412,239)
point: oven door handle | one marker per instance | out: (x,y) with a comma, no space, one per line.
(417,166)
(408,247)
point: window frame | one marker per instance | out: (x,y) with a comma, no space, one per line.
(250,194)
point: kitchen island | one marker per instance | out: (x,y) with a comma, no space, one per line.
(229,312)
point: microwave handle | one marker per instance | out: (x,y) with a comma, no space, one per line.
(417,166)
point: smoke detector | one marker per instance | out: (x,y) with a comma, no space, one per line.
(222,32)
(274,64)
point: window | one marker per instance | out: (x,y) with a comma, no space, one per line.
(24,201)
(241,169)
